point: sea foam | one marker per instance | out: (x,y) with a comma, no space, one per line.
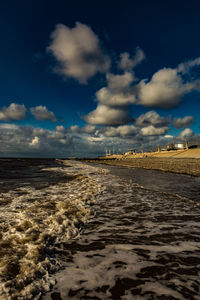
(34,220)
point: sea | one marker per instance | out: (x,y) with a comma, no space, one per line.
(74,230)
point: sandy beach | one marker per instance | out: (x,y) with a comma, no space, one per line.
(182,161)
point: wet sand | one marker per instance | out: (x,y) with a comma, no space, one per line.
(142,242)
(189,166)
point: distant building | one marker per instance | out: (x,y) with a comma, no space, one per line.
(176,146)
(130,151)
(179,146)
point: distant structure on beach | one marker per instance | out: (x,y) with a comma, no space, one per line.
(177,146)
(159,150)
(130,151)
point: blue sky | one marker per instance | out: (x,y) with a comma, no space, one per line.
(81,77)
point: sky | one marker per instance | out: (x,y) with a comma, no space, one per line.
(79,78)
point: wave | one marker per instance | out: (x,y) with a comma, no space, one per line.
(34,220)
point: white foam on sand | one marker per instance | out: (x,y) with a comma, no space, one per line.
(142,244)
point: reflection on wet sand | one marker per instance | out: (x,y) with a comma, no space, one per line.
(141,244)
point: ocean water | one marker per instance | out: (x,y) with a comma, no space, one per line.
(76,231)
(43,203)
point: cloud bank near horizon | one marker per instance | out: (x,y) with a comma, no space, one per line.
(29,141)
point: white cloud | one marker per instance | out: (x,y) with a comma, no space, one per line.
(106,97)
(169,136)
(39,142)
(113,101)
(78,52)
(122,131)
(88,129)
(126,63)
(75,128)
(61,128)
(119,83)
(39,131)
(152,118)
(164,90)
(118,92)
(186,66)
(151,130)
(183,122)
(55,135)
(41,113)
(9,126)
(29,141)
(35,142)
(168,86)
(104,115)
(14,112)
(186,133)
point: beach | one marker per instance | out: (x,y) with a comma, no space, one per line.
(175,165)
(142,243)
(182,161)
(71,230)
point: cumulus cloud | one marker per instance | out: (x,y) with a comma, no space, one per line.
(61,128)
(169,136)
(14,112)
(75,128)
(55,135)
(126,63)
(151,130)
(29,141)
(152,118)
(113,101)
(77,52)
(88,129)
(186,66)
(186,133)
(118,92)
(164,90)
(168,86)
(35,142)
(183,122)
(9,126)
(121,131)
(104,115)
(39,132)
(41,113)
(119,83)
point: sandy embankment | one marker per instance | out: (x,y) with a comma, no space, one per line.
(181,161)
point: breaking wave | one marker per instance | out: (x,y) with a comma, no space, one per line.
(36,214)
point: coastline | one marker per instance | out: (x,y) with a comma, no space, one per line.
(188,166)
(186,161)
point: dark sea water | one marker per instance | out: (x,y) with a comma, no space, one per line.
(183,185)
(78,231)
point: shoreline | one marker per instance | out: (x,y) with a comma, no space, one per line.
(186,166)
